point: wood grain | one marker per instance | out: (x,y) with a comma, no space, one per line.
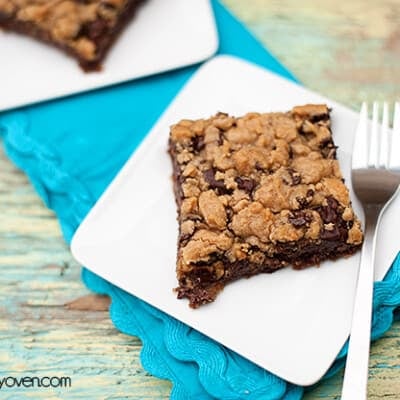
(347,50)
(51,325)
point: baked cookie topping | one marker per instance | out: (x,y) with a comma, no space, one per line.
(83,28)
(255,194)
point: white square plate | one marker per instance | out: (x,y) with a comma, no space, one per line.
(163,35)
(292,323)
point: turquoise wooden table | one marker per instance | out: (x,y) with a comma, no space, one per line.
(51,326)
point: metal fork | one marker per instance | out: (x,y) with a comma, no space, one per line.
(375,177)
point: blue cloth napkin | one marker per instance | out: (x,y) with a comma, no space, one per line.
(72,148)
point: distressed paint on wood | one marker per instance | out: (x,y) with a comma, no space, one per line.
(46,327)
(349,51)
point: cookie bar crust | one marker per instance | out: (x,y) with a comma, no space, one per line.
(256,194)
(85,29)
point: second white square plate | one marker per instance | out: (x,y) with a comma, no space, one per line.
(163,35)
(292,323)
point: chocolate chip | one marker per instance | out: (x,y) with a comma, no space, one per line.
(329,152)
(333,234)
(310,193)
(328,149)
(253,249)
(298,222)
(203,275)
(218,184)
(198,143)
(246,184)
(299,219)
(330,212)
(303,201)
(295,177)
(318,117)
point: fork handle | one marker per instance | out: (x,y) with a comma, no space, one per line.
(356,371)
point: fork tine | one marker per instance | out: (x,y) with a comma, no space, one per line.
(395,143)
(360,155)
(374,140)
(384,138)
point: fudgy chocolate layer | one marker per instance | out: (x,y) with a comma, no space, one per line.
(300,256)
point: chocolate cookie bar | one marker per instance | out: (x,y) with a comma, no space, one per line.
(84,29)
(256,194)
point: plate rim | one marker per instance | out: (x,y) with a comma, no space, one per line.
(141,149)
(212,49)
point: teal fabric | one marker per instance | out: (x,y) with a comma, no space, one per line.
(72,148)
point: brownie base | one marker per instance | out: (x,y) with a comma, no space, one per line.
(103,37)
(299,255)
